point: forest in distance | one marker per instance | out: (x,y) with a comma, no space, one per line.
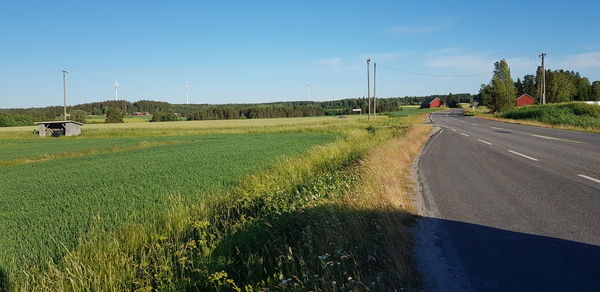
(27,116)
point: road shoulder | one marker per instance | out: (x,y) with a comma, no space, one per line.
(437,259)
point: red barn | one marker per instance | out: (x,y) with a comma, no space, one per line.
(432,102)
(524,99)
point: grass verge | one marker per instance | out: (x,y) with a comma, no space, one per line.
(334,219)
(566,116)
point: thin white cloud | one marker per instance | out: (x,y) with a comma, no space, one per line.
(577,61)
(331,62)
(407,29)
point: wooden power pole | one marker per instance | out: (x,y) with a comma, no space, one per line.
(374,89)
(543,55)
(369,87)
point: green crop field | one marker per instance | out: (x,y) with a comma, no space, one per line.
(15,149)
(140,205)
(46,205)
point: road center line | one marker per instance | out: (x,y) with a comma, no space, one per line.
(496,128)
(484,142)
(590,178)
(553,138)
(464,134)
(523,155)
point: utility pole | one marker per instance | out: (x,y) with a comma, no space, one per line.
(64,72)
(543,55)
(187,92)
(369,86)
(117,90)
(374,89)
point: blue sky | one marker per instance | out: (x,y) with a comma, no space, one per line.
(261,51)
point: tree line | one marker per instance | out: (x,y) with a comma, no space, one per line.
(561,86)
(163,111)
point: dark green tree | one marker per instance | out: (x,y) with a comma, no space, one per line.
(529,86)
(520,87)
(114,115)
(503,91)
(163,117)
(78,116)
(584,89)
(452,101)
(561,87)
(595,90)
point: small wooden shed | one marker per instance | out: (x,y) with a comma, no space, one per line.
(59,128)
(432,102)
(524,99)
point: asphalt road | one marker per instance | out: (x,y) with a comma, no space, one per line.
(509,207)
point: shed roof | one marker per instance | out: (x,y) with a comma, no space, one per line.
(525,95)
(59,122)
(429,100)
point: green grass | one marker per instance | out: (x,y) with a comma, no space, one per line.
(12,149)
(573,114)
(47,205)
(197,215)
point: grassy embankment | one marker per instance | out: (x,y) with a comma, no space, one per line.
(332,219)
(569,116)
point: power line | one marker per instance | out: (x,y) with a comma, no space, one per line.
(433,75)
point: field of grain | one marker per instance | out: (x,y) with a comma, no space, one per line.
(196,205)
(179,128)
(48,203)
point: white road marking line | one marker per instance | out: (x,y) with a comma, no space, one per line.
(590,178)
(496,128)
(441,131)
(464,134)
(553,138)
(454,130)
(523,155)
(484,142)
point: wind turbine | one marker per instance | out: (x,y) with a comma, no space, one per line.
(187,92)
(308,91)
(117,90)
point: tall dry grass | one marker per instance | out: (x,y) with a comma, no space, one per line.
(334,219)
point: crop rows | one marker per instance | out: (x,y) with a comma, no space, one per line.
(47,205)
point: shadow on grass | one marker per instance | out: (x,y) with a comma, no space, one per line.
(324,248)
(503,260)
(3,280)
(371,246)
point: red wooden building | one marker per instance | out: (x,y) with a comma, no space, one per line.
(432,102)
(524,99)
